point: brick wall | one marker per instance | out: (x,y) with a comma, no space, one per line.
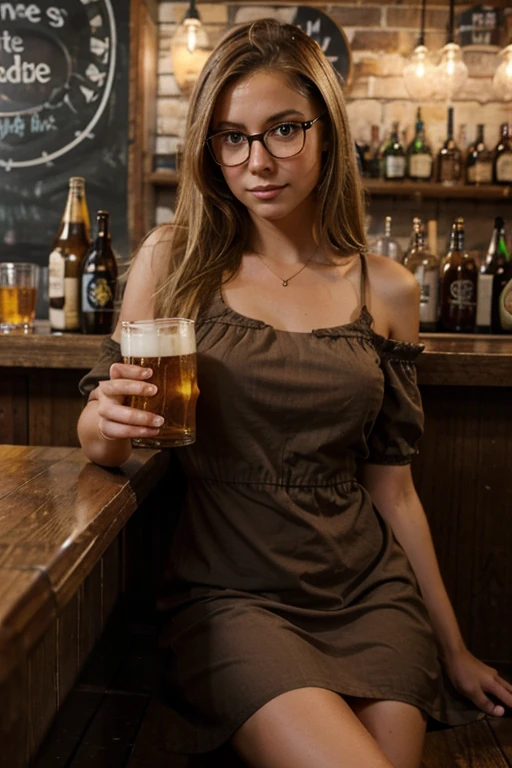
(381,36)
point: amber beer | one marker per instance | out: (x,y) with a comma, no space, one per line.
(18,293)
(168,347)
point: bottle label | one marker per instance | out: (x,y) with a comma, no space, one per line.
(480,173)
(420,166)
(429,286)
(462,293)
(56,270)
(504,167)
(71,313)
(484,302)
(505,304)
(449,169)
(96,294)
(395,167)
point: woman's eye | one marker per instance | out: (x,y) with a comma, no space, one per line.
(233,137)
(285,130)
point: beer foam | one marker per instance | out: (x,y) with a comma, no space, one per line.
(157,345)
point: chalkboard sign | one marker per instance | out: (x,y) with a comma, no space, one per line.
(480,25)
(64,76)
(329,36)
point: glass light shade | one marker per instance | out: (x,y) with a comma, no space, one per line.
(451,72)
(419,74)
(502,81)
(190,48)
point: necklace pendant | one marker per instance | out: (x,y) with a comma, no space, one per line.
(285,283)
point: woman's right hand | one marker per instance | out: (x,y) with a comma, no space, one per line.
(117,420)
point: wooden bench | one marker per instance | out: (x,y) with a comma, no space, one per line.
(67,553)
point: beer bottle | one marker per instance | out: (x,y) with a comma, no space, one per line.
(425,268)
(66,259)
(459,276)
(501,310)
(99,279)
(487,311)
(394,156)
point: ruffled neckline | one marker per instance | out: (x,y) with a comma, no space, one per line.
(408,351)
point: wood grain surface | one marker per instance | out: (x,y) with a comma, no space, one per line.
(59,514)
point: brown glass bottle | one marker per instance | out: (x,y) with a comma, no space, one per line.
(459,276)
(99,280)
(449,159)
(479,160)
(502,157)
(66,260)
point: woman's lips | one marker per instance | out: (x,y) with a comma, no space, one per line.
(266,193)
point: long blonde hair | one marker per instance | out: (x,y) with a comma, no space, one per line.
(211,228)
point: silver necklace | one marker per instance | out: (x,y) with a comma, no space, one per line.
(284,282)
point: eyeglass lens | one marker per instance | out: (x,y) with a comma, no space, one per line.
(233,147)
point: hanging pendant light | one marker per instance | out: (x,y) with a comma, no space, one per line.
(419,72)
(451,72)
(502,80)
(190,48)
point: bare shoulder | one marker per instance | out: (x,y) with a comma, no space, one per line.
(396,292)
(147,269)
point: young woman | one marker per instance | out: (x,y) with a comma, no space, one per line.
(304,618)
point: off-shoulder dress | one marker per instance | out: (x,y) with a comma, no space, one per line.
(282,573)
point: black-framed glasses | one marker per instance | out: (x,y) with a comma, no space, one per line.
(282,141)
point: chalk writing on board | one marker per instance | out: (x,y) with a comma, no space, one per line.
(57,68)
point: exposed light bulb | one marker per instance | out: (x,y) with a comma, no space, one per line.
(418,74)
(451,72)
(190,48)
(192,25)
(502,81)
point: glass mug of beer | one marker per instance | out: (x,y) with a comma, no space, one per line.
(168,347)
(18,291)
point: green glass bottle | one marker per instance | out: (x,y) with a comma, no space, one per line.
(393,157)
(419,154)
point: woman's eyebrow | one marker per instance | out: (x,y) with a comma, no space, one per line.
(284,114)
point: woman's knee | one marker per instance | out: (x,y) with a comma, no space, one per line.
(399,728)
(307,728)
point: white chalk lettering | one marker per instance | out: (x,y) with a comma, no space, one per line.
(18,11)
(32,13)
(56,17)
(25,72)
(99,47)
(10,44)
(95,76)
(12,126)
(38,125)
(90,96)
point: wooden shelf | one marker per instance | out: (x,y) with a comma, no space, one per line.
(164,178)
(381,188)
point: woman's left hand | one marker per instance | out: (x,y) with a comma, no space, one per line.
(475,680)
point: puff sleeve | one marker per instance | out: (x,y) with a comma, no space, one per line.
(110,352)
(399,423)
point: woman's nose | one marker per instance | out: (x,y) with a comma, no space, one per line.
(259,156)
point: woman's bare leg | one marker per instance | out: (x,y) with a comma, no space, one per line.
(397,727)
(307,728)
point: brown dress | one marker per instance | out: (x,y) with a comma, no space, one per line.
(282,573)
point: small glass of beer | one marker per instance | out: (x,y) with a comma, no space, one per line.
(18,290)
(168,347)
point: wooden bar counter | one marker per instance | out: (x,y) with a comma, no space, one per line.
(64,562)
